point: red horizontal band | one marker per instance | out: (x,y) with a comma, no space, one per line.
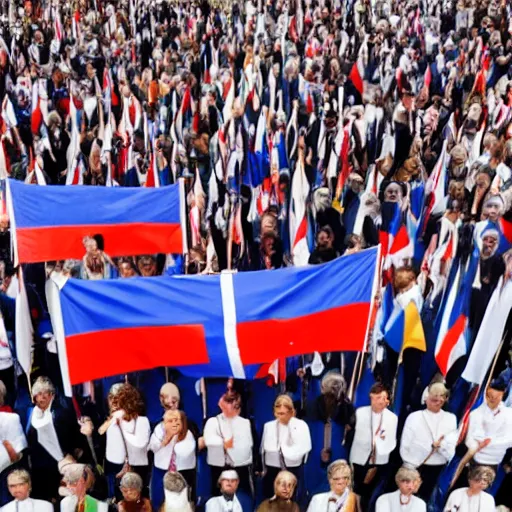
(111,352)
(449,342)
(342,328)
(63,242)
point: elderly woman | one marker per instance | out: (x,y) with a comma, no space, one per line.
(285,443)
(127,436)
(408,481)
(79,479)
(131,489)
(52,432)
(284,488)
(176,494)
(174,447)
(340,497)
(473,497)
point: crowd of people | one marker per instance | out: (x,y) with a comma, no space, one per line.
(305,130)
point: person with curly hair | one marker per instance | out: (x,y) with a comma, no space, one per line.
(127,434)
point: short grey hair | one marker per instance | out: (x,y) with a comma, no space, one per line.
(132,481)
(438,389)
(337,465)
(42,385)
(406,475)
(174,482)
(334,384)
(74,472)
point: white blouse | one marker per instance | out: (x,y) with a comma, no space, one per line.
(460,501)
(293,440)
(185,450)
(136,434)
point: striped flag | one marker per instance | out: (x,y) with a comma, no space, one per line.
(252,318)
(299,215)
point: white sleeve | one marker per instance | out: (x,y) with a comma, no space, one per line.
(242,443)
(406,443)
(5,460)
(262,445)
(452,501)
(211,433)
(16,435)
(449,443)
(388,444)
(301,442)
(187,446)
(155,442)
(211,505)
(140,438)
(475,431)
(382,504)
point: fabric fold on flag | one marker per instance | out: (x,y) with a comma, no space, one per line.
(110,327)
(50,223)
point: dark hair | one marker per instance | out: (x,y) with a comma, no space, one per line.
(233,397)
(379,388)
(327,230)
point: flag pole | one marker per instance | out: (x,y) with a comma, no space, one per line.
(471,453)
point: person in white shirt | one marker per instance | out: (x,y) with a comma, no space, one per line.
(229,442)
(127,434)
(174,447)
(374,440)
(19,485)
(473,498)
(79,479)
(228,501)
(340,496)
(176,494)
(490,426)
(285,444)
(12,445)
(403,500)
(429,439)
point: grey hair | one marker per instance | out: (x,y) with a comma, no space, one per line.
(3,393)
(333,384)
(406,475)
(74,472)
(41,385)
(20,474)
(438,389)
(174,482)
(482,472)
(132,481)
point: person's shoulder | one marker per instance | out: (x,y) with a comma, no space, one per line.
(419,503)
(11,506)
(42,506)
(488,501)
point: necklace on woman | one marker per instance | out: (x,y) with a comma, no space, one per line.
(404,500)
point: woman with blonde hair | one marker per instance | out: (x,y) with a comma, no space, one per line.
(284,487)
(174,447)
(408,480)
(127,434)
(285,443)
(473,497)
(340,497)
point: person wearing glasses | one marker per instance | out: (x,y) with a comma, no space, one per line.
(340,497)
(474,497)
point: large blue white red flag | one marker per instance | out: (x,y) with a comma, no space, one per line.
(49,223)
(216,326)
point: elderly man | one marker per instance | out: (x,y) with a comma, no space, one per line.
(429,439)
(228,484)
(20,486)
(52,432)
(79,479)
